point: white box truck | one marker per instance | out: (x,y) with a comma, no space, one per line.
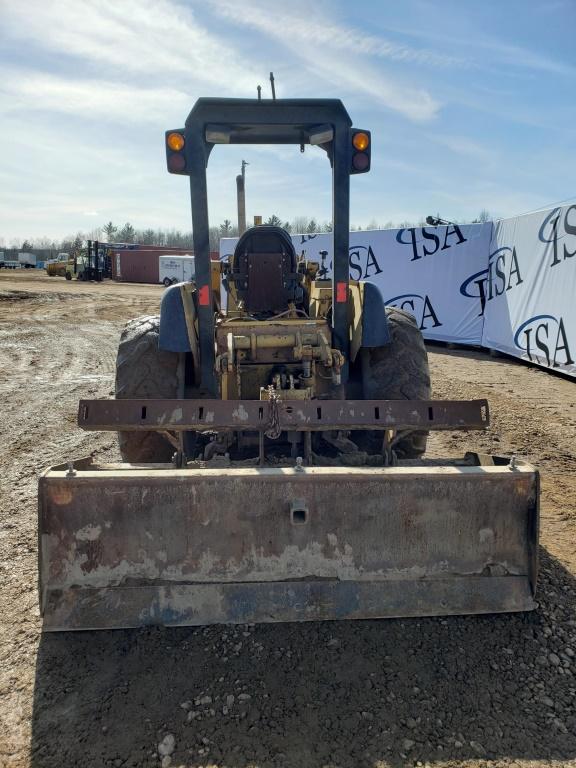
(27,260)
(176,269)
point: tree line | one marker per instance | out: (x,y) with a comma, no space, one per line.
(174,238)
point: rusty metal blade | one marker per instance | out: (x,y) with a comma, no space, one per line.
(266,602)
(123,548)
(305,415)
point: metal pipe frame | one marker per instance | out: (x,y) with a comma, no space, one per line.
(281,121)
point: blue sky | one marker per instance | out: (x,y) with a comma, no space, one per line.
(471,105)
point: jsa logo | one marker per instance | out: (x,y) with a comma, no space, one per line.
(502,274)
(556,227)
(419,306)
(440,238)
(543,338)
(362,262)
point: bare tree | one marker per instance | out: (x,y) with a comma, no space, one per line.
(44,242)
(94,234)
(483,217)
(215,236)
(300,225)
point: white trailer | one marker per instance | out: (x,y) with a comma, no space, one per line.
(9,263)
(176,269)
(27,260)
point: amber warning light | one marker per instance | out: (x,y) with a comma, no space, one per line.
(361,141)
(175,157)
(361,147)
(175,141)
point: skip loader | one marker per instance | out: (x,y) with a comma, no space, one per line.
(272,423)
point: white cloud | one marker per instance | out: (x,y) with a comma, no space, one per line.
(162,45)
(106,100)
(317,29)
(319,43)
(486,52)
(154,37)
(516,56)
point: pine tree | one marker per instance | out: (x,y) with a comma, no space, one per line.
(110,230)
(127,233)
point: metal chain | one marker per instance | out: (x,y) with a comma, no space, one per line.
(273,431)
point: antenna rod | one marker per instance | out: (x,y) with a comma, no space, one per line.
(259,89)
(272,84)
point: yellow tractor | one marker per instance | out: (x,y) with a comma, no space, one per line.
(272,423)
(58,267)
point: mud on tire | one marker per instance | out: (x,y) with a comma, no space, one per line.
(144,370)
(397,371)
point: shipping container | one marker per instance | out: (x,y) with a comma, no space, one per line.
(142,265)
(135,266)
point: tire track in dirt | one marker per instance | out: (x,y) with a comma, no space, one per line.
(55,347)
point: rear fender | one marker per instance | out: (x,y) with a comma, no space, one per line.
(369,326)
(173,331)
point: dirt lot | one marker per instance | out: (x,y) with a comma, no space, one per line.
(495,690)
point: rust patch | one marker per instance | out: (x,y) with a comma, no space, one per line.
(61,495)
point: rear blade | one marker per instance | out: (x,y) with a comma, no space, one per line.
(131,547)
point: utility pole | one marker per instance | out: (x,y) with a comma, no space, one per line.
(241,197)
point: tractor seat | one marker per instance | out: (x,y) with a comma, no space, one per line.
(264,270)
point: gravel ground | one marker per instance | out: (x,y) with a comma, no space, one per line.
(475,691)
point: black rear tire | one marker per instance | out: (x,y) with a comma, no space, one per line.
(144,370)
(397,371)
